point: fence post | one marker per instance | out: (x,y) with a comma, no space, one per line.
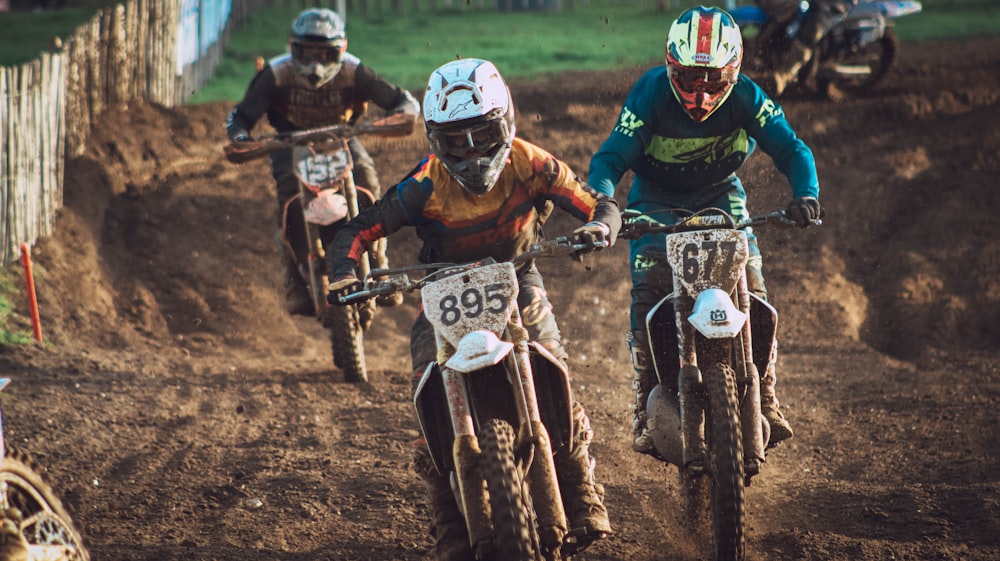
(29,279)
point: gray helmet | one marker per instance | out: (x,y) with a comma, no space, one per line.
(318,42)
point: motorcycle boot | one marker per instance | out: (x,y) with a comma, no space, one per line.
(298,299)
(451,538)
(382,262)
(786,73)
(583,497)
(769,407)
(643,381)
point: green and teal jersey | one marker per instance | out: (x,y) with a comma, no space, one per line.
(680,162)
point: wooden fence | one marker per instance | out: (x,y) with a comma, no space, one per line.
(125,54)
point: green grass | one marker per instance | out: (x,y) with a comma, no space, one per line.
(10,333)
(25,33)
(944,19)
(406,48)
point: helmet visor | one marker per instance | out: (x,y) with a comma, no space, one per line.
(467,142)
(317,54)
(696,79)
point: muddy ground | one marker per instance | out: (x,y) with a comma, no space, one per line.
(184,416)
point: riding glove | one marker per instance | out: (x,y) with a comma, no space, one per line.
(344,285)
(803,210)
(595,235)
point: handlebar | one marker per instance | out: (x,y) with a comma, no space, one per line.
(636,224)
(383,282)
(398,124)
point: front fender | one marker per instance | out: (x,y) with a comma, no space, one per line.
(748,15)
(715,316)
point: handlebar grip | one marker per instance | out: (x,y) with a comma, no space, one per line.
(347,296)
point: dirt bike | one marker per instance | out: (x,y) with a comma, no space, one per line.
(46,526)
(328,198)
(494,406)
(704,416)
(853,57)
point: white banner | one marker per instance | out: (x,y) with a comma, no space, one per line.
(201,25)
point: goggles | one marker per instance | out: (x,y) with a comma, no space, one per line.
(707,80)
(317,54)
(477,140)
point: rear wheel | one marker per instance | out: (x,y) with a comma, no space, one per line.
(45,523)
(851,74)
(512,530)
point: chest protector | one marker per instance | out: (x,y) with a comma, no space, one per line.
(305,106)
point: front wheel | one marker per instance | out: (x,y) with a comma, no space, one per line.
(347,342)
(512,530)
(849,74)
(45,524)
(725,463)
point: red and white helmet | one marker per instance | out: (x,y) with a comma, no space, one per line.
(469,121)
(704,53)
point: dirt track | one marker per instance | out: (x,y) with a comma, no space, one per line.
(183,415)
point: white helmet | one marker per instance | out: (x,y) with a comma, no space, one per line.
(318,42)
(469,120)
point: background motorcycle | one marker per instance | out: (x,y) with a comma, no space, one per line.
(495,405)
(853,57)
(328,198)
(44,523)
(704,416)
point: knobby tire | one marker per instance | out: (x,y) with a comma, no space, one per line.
(725,462)
(512,530)
(886,48)
(44,519)
(347,342)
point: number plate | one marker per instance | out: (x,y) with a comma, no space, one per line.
(482,298)
(320,169)
(707,259)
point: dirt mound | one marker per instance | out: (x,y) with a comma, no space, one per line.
(186,416)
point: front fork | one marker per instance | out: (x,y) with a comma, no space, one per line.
(533,443)
(691,396)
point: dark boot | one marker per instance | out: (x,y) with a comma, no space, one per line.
(769,407)
(784,75)
(298,300)
(583,498)
(381,261)
(451,538)
(643,381)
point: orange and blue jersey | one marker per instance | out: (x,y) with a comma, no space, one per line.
(457,226)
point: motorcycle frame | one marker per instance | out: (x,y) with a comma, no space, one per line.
(314,233)
(528,387)
(736,350)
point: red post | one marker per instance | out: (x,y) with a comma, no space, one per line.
(29,279)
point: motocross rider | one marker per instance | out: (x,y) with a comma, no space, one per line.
(483,193)
(685,129)
(318,83)
(819,19)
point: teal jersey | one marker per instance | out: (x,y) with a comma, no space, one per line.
(679,162)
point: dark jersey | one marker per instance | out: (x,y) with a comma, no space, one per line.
(457,226)
(290,103)
(677,159)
